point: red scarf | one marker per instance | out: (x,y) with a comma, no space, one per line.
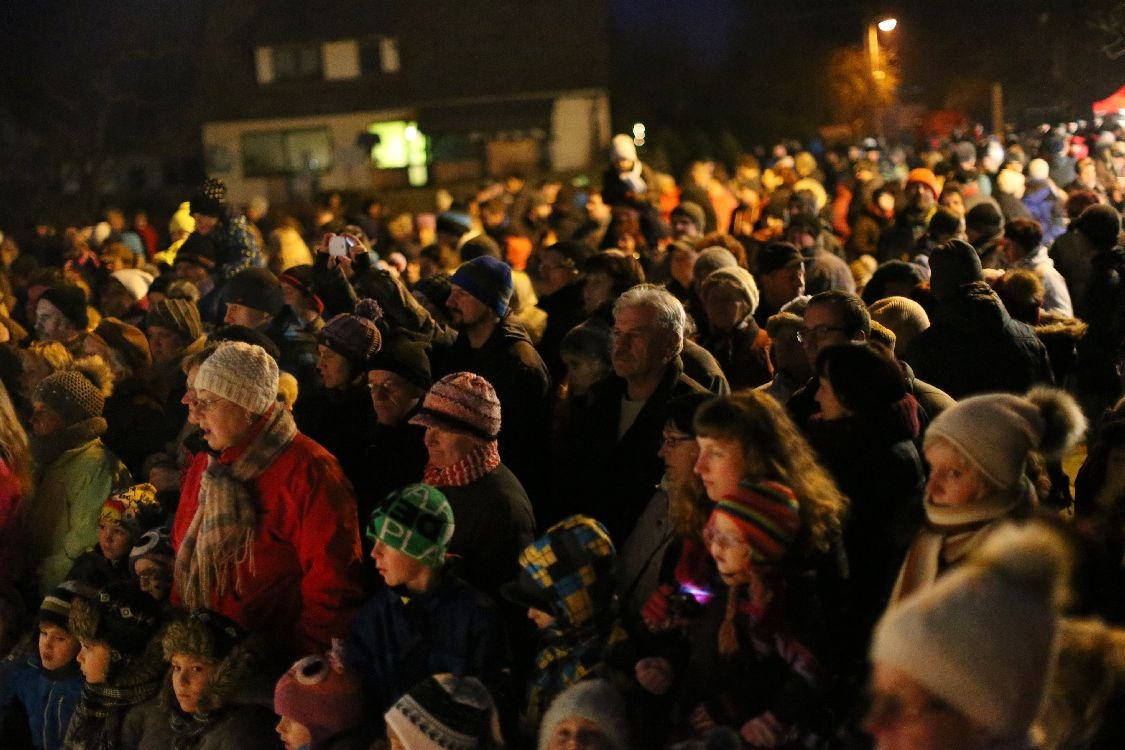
(469,469)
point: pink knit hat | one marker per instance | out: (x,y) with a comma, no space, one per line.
(319,694)
(462,402)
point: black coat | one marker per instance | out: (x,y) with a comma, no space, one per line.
(610,479)
(974,346)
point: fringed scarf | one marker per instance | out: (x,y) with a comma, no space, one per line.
(949,535)
(221,535)
(479,462)
(96,724)
(45,449)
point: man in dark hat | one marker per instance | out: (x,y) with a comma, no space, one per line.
(780,276)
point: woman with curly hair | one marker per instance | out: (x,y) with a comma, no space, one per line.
(748,436)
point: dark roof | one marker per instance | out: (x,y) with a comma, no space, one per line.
(451,51)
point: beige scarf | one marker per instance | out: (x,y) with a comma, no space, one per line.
(950,534)
(221,534)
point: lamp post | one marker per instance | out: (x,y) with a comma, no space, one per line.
(878,74)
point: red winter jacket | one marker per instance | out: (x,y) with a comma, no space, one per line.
(307,579)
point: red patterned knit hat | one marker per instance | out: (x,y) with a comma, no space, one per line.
(767,514)
(462,402)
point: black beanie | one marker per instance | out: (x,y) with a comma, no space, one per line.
(952,265)
(1101,224)
(984,219)
(406,358)
(257,289)
(211,200)
(71,302)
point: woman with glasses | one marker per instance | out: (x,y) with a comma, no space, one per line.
(266,532)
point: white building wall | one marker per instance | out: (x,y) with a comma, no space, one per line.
(350,169)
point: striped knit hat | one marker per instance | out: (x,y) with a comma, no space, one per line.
(462,402)
(768,515)
(55,608)
(354,335)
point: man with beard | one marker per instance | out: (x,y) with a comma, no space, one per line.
(898,240)
(498,349)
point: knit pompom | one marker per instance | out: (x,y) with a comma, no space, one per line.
(368,308)
(94,369)
(1033,556)
(1064,423)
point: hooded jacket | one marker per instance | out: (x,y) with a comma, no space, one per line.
(974,346)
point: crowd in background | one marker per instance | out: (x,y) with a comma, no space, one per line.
(776,454)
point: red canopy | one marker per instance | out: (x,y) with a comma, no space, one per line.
(1112,104)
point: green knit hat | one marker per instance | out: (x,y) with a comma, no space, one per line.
(417,521)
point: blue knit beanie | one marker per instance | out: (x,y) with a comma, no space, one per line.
(488,279)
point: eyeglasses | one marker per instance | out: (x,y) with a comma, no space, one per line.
(671,441)
(151,578)
(722,539)
(381,391)
(892,709)
(817,332)
(204,404)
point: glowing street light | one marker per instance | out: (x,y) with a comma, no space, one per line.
(887,24)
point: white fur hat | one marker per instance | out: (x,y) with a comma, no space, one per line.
(982,638)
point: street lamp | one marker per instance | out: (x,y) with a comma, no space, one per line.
(873,29)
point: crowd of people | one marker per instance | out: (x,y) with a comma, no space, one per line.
(770,458)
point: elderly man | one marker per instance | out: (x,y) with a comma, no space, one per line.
(607,464)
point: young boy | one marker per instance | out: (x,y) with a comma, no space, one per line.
(567,585)
(151,562)
(425,620)
(46,681)
(125,516)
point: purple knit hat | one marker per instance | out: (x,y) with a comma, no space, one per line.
(354,335)
(462,402)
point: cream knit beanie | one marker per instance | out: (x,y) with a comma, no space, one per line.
(242,373)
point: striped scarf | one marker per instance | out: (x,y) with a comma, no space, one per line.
(96,724)
(221,534)
(480,461)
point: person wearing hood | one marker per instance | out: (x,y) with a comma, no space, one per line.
(76,472)
(210,699)
(627,180)
(973,345)
(566,586)
(1044,200)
